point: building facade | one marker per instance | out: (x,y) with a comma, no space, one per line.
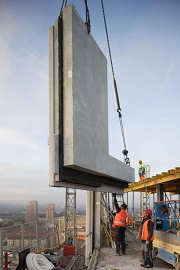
(31,211)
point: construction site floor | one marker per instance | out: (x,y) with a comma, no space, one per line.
(109,260)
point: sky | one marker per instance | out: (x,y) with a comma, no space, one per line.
(145,44)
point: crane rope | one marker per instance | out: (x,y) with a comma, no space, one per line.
(64,3)
(125,151)
(88,22)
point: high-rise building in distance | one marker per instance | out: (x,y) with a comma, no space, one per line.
(31,211)
(50,214)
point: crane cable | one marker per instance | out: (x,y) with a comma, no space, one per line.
(87,23)
(64,3)
(125,151)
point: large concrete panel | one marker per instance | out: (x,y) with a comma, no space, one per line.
(78,101)
(86,103)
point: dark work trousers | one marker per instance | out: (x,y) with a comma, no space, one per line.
(120,239)
(147,253)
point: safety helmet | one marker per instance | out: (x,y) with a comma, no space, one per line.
(139,160)
(148,211)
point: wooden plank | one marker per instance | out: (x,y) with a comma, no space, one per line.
(177,169)
(158,176)
(151,182)
(166,246)
(164,174)
(167,237)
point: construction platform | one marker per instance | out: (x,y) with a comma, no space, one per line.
(109,260)
(170,181)
(166,213)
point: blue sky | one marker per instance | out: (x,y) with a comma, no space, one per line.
(145,44)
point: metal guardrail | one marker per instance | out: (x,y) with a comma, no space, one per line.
(34,235)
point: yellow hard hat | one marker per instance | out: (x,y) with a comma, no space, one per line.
(139,160)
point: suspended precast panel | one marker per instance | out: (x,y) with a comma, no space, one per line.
(78,106)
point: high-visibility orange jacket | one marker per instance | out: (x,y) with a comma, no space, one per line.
(145,232)
(120,218)
(128,220)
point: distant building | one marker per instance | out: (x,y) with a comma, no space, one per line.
(31,211)
(50,214)
(27,214)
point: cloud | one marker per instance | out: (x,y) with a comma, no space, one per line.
(33,56)
(9,29)
(170,68)
(6,58)
(29,183)
(13,138)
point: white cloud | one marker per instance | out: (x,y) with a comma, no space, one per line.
(13,138)
(33,56)
(30,183)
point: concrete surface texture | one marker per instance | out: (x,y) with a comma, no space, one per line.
(109,260)
(86,103)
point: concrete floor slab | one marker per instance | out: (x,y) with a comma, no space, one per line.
(108,260)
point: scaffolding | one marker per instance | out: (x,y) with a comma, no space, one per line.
(70,218)
(166,213)
(144,196)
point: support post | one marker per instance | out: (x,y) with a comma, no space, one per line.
(1,251)
(160,194)
(89,226)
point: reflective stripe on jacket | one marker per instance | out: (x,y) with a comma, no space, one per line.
(145,232)
(120,218)
(128,220)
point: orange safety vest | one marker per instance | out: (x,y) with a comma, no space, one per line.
(120,218)
(145,232)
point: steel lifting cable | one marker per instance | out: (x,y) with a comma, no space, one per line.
(64,3)
(125,151)
(88,22)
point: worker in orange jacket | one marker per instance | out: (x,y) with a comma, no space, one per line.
(146,234)
(128,223)
(120,228)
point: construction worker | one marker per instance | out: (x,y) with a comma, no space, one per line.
(146,234)
(116,205)
(118,209)
(141,171)
(120,228)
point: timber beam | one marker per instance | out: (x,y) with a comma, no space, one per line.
(170,181)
